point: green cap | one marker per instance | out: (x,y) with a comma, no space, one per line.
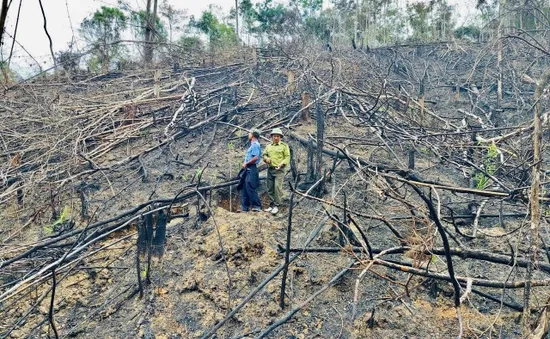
(255,132)
(277,131)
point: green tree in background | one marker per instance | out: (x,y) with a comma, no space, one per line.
(275,20)
(419,19)
(319,27)
(269,17)
(309,8)
(443,19)
(139,24)
(357,23)
(219,34)
(207,24)
(315,22)
(470,32)
(174,18)
(249,15)
(103,30)
(190,43)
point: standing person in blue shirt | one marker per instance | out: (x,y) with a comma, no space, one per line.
(249,196)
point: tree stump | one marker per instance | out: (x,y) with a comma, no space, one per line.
(291,84)
(306,100)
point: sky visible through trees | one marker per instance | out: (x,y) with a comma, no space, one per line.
(362,23)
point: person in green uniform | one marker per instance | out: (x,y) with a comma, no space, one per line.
(277,158)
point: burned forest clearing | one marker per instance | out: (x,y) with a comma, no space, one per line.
(416,204)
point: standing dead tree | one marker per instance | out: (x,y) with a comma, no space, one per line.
(534,203)
(149,24)
(46,31)
(3,15)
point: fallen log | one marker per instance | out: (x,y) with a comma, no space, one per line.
(133,211)
(402,174)
(496,258)
(405,267)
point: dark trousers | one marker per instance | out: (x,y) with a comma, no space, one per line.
(249,196)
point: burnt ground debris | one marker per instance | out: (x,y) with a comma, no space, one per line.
(102,153)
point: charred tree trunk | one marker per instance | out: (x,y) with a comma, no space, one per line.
(237,18)
(499,53)
(320,144)
(3,16)
(421,93)
(310,162)
(287,252)
(148,47)
(46,31)
(356,23)
(306,100)
(534,201)
(293,167)
(153,23)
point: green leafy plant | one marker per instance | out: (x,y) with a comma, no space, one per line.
(490,164)
(144,273)
(190,43)
(482,180)
(62,218)
(6,74)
